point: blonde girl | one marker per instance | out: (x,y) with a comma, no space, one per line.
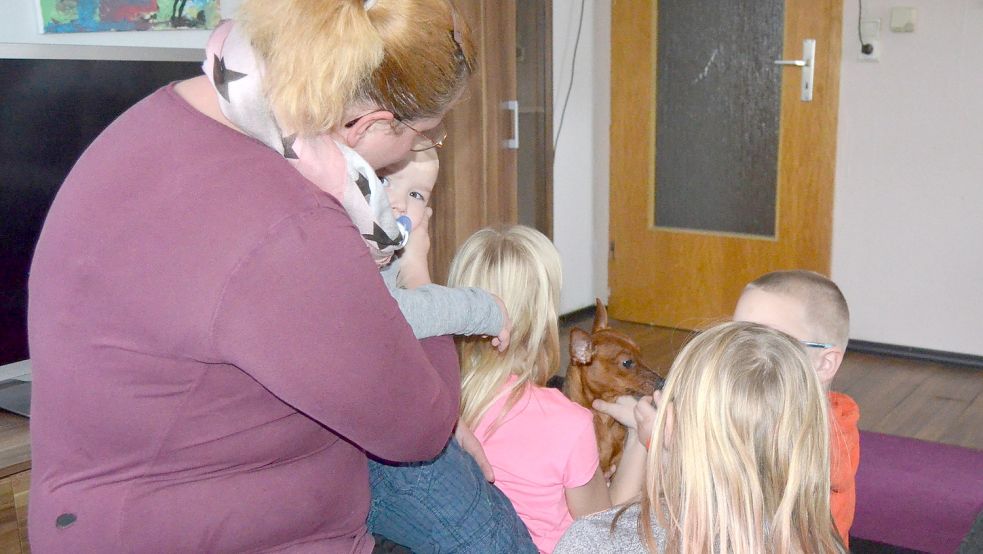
(540,444)
(739,461)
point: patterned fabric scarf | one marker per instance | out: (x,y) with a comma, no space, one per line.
(237,75)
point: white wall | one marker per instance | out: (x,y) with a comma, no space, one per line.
(19,24)
(908,216)
(580,172)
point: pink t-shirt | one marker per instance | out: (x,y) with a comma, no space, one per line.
(543,445)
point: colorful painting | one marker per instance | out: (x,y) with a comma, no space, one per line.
(83,16)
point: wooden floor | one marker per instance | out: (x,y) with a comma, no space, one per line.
(897,396)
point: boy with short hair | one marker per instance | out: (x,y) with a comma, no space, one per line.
(812,309)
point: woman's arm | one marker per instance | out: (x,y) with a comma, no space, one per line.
(306,314)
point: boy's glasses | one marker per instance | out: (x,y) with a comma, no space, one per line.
(425,140)
(821,345)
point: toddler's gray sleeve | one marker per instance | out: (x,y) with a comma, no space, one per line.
(434,310)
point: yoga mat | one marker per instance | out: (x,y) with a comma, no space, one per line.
(916,494)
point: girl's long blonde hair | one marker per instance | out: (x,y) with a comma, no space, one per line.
(522,267)
(739,456)
(409,57)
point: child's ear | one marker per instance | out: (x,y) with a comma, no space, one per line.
(829,364)
(354,134)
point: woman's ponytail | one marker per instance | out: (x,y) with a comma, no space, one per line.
(317,54)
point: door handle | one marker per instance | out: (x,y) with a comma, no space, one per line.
(512,143)
(808,65)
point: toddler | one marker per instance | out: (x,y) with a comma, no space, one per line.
(432,310)
(444,504)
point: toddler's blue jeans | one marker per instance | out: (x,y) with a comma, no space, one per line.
(444,505)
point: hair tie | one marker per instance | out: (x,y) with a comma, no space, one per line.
(367,4)
(457,31)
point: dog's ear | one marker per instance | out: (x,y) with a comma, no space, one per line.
(581,347)
(600,316)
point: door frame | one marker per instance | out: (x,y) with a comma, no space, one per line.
(696,298)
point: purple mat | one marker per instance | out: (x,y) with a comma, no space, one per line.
(916,494)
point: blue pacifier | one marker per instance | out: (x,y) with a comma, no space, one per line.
(405,225)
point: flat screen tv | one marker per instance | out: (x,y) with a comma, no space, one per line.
(50,111)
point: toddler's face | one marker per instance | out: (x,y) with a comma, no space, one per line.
(410,188)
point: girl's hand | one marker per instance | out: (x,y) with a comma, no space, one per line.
(622,409)
(644,415)
(504,336)
(637,414)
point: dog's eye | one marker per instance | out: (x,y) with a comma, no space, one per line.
(628,364)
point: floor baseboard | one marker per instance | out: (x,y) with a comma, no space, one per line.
(921,354)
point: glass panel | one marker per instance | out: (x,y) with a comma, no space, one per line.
(717,114)
(534,90)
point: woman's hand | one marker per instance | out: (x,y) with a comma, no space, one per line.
(414,268)
(469,443)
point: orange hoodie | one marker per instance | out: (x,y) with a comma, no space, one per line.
(844,456)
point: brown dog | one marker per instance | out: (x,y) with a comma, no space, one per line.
(606,364)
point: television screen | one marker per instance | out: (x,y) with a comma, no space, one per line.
(50,110)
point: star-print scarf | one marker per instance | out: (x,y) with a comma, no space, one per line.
(234,71)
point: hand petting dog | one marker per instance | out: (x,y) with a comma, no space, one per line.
(633,413)
(606,364)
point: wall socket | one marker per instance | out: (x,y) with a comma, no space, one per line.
(870,33)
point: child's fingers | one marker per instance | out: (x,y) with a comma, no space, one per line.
(425,223)
(504,338)
(644,408)
(620,410)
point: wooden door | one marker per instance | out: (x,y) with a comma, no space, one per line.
(477,182)
(686,276)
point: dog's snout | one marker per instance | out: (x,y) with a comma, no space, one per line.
(651,378)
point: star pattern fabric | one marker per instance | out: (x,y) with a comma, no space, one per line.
(331,166)
(380,237)
(363,185)
(224,76)
(288,150)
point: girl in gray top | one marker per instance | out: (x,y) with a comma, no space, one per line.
(739,456)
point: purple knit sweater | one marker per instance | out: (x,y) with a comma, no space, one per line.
(214,351)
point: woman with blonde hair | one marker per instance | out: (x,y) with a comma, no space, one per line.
(738,459)
(540,444)
(214,350)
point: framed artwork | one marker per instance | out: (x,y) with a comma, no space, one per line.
(83,16)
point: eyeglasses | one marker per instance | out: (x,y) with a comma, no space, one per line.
(821,345)
(425,140)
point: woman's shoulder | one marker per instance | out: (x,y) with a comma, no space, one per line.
(613,530)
